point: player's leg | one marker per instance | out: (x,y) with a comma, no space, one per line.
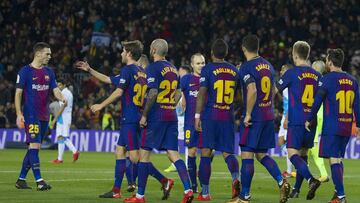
(61,149)
(21,182)
(130,174)
(191,162)
(319,162)
(333,147)
(68,142)
(233,167)
(247,172)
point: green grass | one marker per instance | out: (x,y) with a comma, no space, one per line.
(93,175)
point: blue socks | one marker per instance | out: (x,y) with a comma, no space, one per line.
(247,173)
(155,173)
(182,171)
(301,167)
(204,176)
(129,171)
(299,178)
(192,170)
(337,173)
(233,166)
(142,176)
(35,163)
(25,166)
(272,168)
(120,168)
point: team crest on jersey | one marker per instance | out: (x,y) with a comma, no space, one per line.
(47,78)
(320,83)
(281,81)
(246,77)
(202,79)
(122,81)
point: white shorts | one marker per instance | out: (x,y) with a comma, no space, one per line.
(63,128)
(181,127)
(282,131)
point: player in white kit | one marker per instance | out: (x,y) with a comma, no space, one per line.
(63,123)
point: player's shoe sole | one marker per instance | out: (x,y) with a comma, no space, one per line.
(133,199)
(284,191)
(201,198)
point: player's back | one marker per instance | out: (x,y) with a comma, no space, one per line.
(133,82)
(163,76)
(301,82)
(262,73)
(221,80)
(190,85)
(36,84)
(341,89)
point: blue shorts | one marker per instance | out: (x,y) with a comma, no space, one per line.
(191,136)
(333,146)
(258,138)
(298,137)
(35,130)
(218,135)
(129,136)
(160,135)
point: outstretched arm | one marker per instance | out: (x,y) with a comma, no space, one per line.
(83,65)
(116,94)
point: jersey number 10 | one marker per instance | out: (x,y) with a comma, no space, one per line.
(346,99)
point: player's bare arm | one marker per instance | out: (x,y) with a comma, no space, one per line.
(183,101)
(116,94)
(200,100)
(151,98)
(250,102)
(19,115)
(83,65)
(177,96)
(58,114)
(59,96)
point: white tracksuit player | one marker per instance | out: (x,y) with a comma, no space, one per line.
(63,123)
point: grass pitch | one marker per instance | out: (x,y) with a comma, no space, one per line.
(93,174)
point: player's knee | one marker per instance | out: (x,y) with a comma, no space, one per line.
(247,155)
(61,138)
(120,152)
(34,145)
(260,156)
(134,156)
(192,151)
(334,160)
(205,152)
(173,155)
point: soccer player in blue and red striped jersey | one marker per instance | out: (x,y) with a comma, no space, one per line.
(190,84)
(160,119)
(301,82)
(35,81)
(257,134)
(339,92)
(218,84)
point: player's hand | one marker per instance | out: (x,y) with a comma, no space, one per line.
(53,122)
(143,122)
(247,120)
(307,126)
(82,65)
(96,107)
(20,121)
(198,124)
(357,133)
(286,121)
(281,141)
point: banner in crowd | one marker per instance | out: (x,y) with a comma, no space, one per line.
(105,141)
(101,39)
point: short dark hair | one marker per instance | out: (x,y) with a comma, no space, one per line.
(219,48)
(187,68)
(134,47)
(40,46)
(336,56)
(251,43)
(62,81)
(302,49)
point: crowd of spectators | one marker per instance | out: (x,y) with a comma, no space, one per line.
(188,25)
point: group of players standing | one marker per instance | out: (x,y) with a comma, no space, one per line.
(149,98)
